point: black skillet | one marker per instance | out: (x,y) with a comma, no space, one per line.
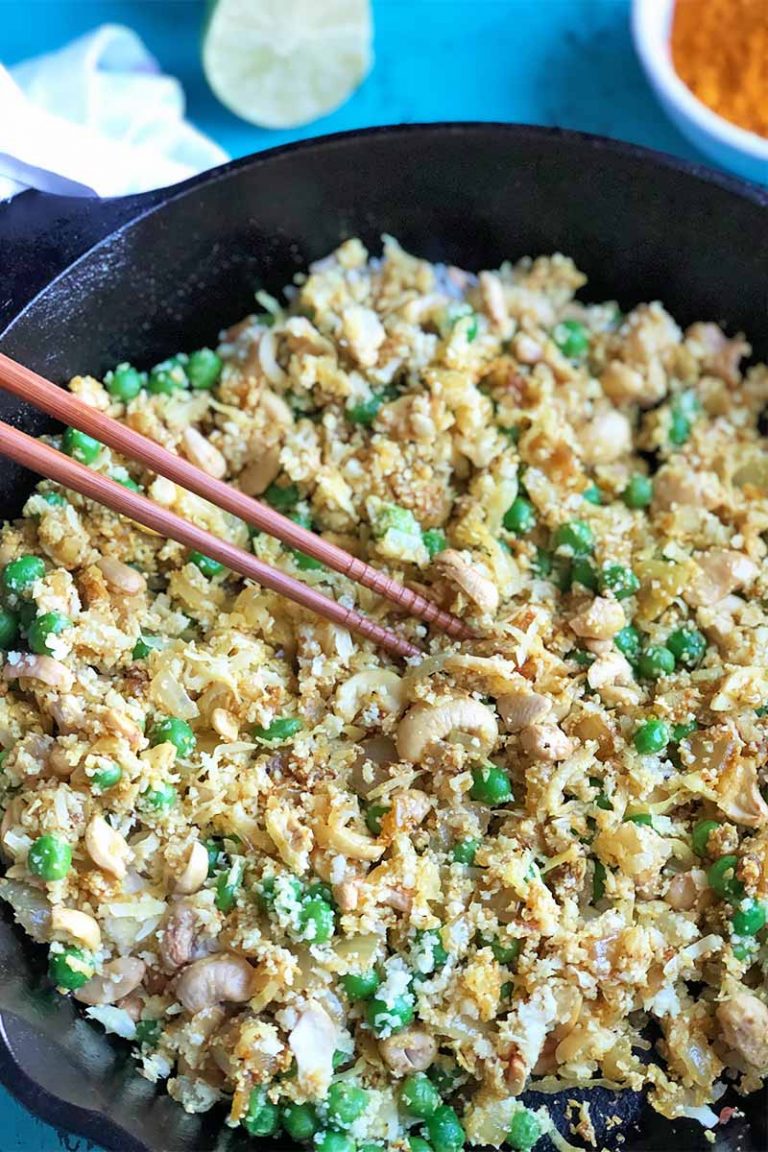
(167,270)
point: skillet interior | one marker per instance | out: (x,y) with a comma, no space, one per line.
(641,228)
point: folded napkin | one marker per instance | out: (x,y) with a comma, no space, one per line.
(97,118)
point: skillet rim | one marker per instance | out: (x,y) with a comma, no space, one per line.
(157,200)
(94,1124)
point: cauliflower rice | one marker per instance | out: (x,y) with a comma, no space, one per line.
(366,903)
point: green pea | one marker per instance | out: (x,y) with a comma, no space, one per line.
(55,499)
(361,985)
(571,338)
(434,541)
(684,410)
(429,953)
(601,799)
(80,446)
(372,1148)
(262,1117)
(384,1018)
(321,889)
(9,628)
(644,818)
(503,953)
(300,1121)
(49,858)
(582,572)
(144,645)
(206,564)
(419,1097)
(331,1141)
(373,817)
(520,517)
(748,919)
(281,729)
(127,481)
(215,852)
(283,497)
(27,613)
(345,1103)
(524,1131)
(444,1130)
(464,852)
(148,1033)
(592,495)
(745,949)
(124,382)
(490,785)
(619,580)
(21,574)
(655,662)
(688,646)
(652,736)
(512,432)
(702,830)
(204,369)
(340,1058)
(445,1075)
(168,376)
(574,538)
(723,880)
(598,881)
(542,563)
(43,628)
(366,411)
(228,885)
(628,642)
(269,893)
(316,920)
(582,658)
(164,796)
(304,562)
(172,730)
(416,1144)
(638,493)
(106,778)
(683,731)
(70,968)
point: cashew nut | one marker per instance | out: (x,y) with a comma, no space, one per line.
(77,926)
(519,709)
(410,1051)
(106,847)
(223,978)
(332,830)
(376,684)
(118,979)
(121,577)
(720,572)
(546,742)
(203,454)
(43,668)
(225,724)
(290,836)
(744,1021)
(470,577)
(257,476)
(601,620)
(409,807)
(426,724)
(195,870)
(178,938)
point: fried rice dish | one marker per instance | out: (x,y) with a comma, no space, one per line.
(365,904)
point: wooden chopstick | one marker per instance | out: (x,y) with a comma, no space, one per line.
(61,404)
(46,461)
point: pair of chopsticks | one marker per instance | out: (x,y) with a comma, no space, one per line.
(46,461)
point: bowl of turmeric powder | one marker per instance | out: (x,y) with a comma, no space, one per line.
(707,61)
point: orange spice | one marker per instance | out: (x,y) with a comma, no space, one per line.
(720,51)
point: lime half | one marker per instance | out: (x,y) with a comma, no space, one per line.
(280,63)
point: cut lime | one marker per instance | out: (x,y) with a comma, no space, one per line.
(280,63)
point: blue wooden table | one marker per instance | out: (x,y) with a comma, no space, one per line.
(564,62)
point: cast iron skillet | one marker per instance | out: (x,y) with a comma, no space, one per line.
(174,267)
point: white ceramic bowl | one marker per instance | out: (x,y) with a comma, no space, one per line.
(743,152)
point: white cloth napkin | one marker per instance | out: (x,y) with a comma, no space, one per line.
(97,118)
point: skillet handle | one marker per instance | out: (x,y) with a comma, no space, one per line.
(41,234)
